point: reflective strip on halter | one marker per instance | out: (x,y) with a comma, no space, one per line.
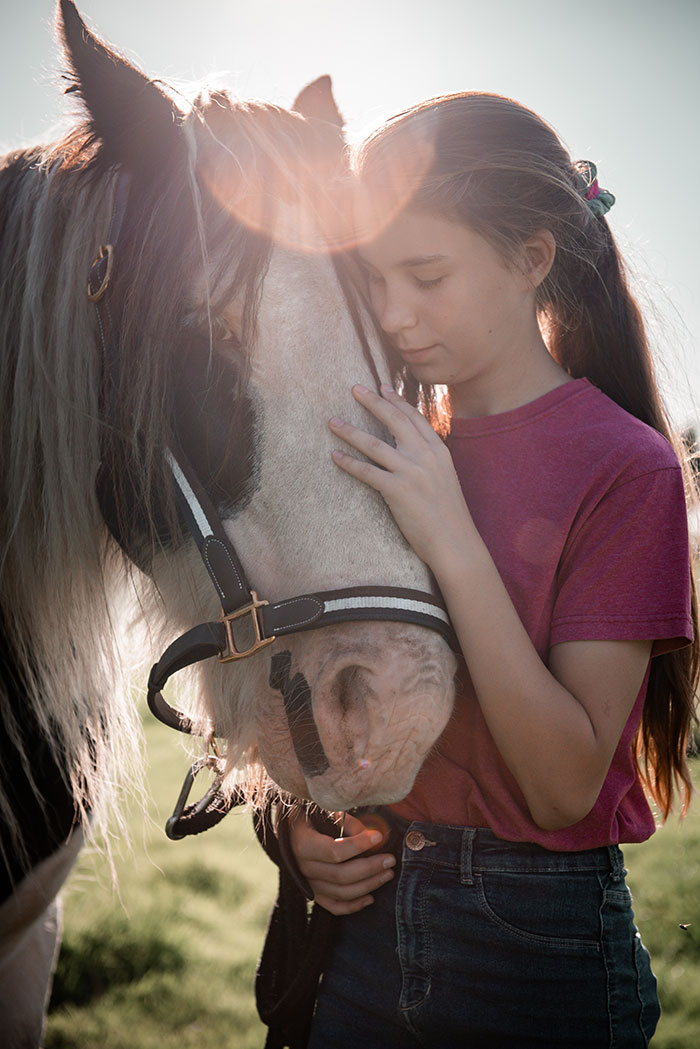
(200,518)
(421,607)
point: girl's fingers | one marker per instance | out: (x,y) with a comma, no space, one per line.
(400,418)
(374,448)
(311,846)
(420,422)
(350,892)
(339,875)
(352,825)
(349,873)
(374,476)
(399,424)
(340,908)
(410,430)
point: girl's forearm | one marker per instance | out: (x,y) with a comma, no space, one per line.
(543,732)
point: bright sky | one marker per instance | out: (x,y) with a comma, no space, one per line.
(619,80)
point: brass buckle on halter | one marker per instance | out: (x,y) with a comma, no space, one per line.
(106,251)
(232,652)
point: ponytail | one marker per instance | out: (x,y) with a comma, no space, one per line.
(605,341)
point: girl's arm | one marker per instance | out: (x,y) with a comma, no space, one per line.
(557,726)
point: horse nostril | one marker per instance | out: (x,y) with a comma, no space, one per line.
(349,687)
(353,690)
(346,717)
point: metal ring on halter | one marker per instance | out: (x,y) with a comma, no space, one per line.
(211,761)
(106,251)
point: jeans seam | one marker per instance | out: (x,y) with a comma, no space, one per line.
(406,1010)
(638,948)
(618,896)
(606,965)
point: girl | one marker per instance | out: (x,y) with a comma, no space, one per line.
(554,521)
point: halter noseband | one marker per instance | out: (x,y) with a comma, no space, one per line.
(239,602)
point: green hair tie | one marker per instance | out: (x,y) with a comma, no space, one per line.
(599,200)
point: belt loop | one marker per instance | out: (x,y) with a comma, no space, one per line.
(466,873)
(617,863)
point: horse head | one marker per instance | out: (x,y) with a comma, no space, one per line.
(235,335)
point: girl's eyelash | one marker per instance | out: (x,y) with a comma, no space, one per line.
(373,278)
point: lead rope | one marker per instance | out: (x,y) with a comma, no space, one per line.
(297,943)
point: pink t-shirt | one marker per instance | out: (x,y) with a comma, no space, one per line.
(582,508)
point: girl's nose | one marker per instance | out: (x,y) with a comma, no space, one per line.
(393,311)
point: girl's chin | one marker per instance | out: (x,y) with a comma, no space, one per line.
(428,373)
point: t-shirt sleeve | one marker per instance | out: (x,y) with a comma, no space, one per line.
(625,571)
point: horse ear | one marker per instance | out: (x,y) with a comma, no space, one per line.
(136,123)
(316,102)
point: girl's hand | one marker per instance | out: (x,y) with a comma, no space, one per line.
(416,478)
(340,882)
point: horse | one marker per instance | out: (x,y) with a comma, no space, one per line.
(215,332)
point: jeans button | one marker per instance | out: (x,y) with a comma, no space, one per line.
(415,840)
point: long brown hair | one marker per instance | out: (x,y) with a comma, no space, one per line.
(497,167)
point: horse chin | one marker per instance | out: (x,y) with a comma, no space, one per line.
(349,793)
(339,790)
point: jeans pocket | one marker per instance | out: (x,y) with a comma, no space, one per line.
(558,910)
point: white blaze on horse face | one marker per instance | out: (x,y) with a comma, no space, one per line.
(306,359)
(381,693)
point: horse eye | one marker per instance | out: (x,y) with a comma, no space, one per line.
(222,331)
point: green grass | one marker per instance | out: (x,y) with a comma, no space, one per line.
(664,877)
(170,962)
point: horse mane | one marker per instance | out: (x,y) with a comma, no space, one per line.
(66,589)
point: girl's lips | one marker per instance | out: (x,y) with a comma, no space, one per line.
(417,354)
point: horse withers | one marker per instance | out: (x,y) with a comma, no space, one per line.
(227,330)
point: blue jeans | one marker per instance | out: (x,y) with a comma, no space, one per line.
(480,943)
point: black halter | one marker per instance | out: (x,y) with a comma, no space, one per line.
(262,621)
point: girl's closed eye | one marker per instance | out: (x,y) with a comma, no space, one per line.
(426,284)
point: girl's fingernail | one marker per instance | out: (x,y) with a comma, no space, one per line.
(335,421)
(385,388)
(337,455)
(389,862)
(375,837)
(361,389)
